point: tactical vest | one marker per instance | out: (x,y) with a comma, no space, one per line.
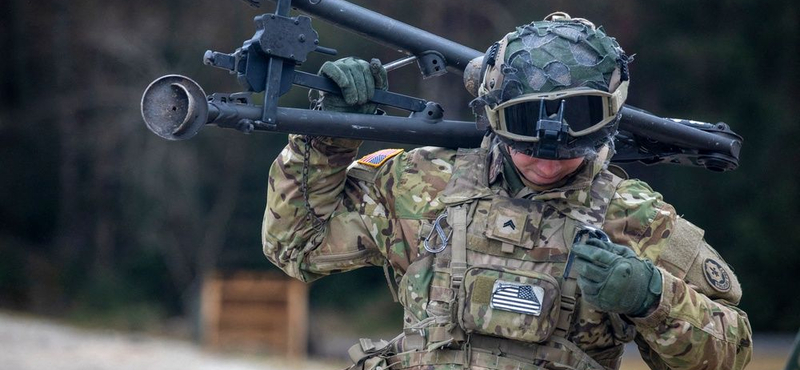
(497,293)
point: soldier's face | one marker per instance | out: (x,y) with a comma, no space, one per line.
(544,171)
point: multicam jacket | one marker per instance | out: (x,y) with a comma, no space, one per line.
(378,212)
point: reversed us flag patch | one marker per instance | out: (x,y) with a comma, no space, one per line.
(515,297)
(380,157)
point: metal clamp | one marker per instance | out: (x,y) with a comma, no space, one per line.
(444,238)
(585,232)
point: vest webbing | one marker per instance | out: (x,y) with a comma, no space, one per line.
(458,258)
(501,354)
(558,349)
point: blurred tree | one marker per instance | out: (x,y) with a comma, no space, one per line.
(97,212)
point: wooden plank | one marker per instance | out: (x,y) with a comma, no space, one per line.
(297,319)
(262,290)
(256,310)
(210,308)
(253,298)
(254,316)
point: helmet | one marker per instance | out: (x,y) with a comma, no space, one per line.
(553,89)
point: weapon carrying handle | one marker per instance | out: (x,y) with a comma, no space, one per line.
(391,99)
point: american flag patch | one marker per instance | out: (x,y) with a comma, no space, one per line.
(515,297)
(379,158)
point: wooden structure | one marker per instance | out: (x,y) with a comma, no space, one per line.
(256,311)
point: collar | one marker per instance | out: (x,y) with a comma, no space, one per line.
(575,189)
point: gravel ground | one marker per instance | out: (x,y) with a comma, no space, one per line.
(35,344)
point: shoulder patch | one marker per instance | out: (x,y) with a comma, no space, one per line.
(618,171)
(716,275)
(378,158)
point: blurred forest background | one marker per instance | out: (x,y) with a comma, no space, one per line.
(101,221)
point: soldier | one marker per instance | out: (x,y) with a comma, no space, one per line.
(530,252)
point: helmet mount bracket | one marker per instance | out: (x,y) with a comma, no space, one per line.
(551,132)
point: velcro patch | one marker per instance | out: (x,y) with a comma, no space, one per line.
(380,157)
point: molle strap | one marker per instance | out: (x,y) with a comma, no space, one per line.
(569,287)
(412,341)
(569,292)
(458,262)
(500,354)
(579,358)
(366,348)
(445,335)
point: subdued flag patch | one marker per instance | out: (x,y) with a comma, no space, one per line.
(521,298)
(380,157)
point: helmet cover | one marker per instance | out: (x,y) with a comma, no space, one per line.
(559,53)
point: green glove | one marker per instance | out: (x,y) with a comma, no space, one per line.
(358,81)
(613,279)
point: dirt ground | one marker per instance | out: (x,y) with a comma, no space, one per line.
(35,344)
(28,343)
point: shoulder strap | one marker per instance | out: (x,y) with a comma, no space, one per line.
(470,177)
(466,185)
(458,262)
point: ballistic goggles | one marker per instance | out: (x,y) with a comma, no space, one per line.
(557,114)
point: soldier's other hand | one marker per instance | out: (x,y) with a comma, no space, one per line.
(613,279)
(358,82)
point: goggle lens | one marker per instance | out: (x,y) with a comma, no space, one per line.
(580,113)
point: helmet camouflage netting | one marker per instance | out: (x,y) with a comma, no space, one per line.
(558,53)
(553,54)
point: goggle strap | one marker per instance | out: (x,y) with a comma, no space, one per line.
(619,97)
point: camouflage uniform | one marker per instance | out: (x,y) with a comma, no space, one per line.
(379,214)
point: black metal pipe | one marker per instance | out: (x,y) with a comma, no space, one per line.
(447,133)
(387,31)
(645,124)
(415,131)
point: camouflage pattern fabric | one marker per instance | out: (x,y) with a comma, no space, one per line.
(378,215)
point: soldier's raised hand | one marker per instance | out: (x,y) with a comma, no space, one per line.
(613,279)
(358,81)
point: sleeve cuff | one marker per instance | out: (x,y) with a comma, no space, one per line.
(327,144)
(661,313)
(322,142)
